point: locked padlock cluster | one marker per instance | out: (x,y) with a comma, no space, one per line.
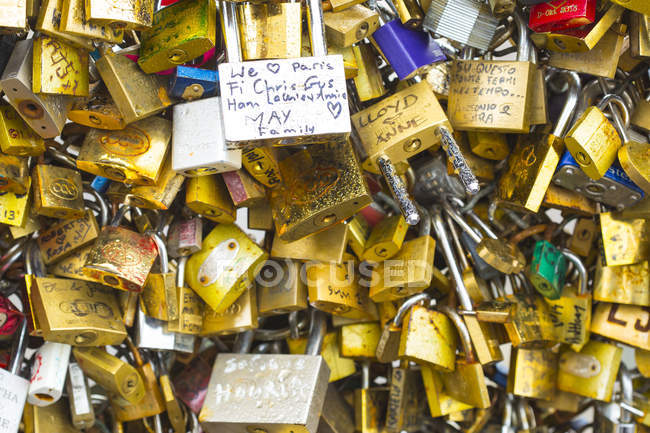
(329,216)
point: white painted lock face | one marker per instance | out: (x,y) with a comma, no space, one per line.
(49,369)
(220,260)
(284,101)
(13,394)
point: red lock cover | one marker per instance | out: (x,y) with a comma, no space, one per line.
(561,15)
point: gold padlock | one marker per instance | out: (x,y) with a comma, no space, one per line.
(262,164)
(58,192)
(158,196)
(208,196)
(136,15)
(97,111)
(350,26)
(73,21)
(325,246)
(368,81)
(386,239)
(133,155)
(626,323)
(339,367)
(270,30)
(625,241)
(48,23)
(16,137)
(13,174)
(63,239)
(190,305)
(14,208)
(179,33)
(626,284)
(280,288)
(533,373)
(59,68)
(359,340)
(240,316)
(159,295)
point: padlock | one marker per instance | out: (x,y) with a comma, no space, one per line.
(270,30)
(175,411)
(227,258)
(555,15)
(350,26)
(247,123)
(386,239)
(335,288)
(533,373)
(134,155)
(59,68)
(14,208)
(370,404)
(408,272)
(178,34)
(151,404)
(153,334)
(159,298)
(639,36)
(466,383)
(635,5)
(14,386)
(121,258)
(243,189)
(392,37)
(136,94)
(82,413)
(614,188)
(73,21)
(442,18)
(359,231)
(111,373)
(240,316)
(440,403)
(280,288)
(530,166)
(16,136)
(63,239)
(627,284)
(49,20)
(49,371)
(405,133)
(482,168)
(309,373)
(359,340)
(633,158)
(368,82)
(323,185)
(191,83)
(14,176)
(44,113)
(97,111)
(326,246)
(190,306)
(14,17)
(547,269)
(339,367)
(582,239)
(161,194)
(493,96)
(134,16)
(489,145)
(260,217)
(58,192)
(571,312)
(625,241)
(49,418)
(531,324)
(581,39)
(185,237)
(625,323)
(590,372)
(208,196)
(405,398)
(262,164)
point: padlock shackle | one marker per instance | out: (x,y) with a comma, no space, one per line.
(456,216)
(180,271)
(12,255)
(464,263)
(119,215)
(523,45)
(230,31)
(463,332)
(316,26)
(627,391)
(582,271)
(162,252)
(18,348)
(621,125)
(317,330)
(443,241)
(365,374)
(571,103)
(33,260)
(387,200)
(424,229)
(104,210)
(406,306)
(244,342)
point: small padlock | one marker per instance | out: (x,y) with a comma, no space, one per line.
(350,26)
(325,246)
(133,155)
(554,15)
(227,258)
(405,399)
(243,189)
(533,373)
(198,146)
(368,82)
(159,298)
(54,417)
(489,145)
(582,239)
(175,412)
(280,288)
(359,340)
(134,16)
(73,21)
(626,284)
(49,371)
(238,317)
(15,387)
(154,334)
(262,164)
(161,194)
(82,412)
(386,239)
(190,305)
(59,68)
(339,367)
(58,192)
(185,237)
(44,113)
(547,269)
(442,18)
(208,196)
(16,136)
(270,30)
(440,403)
(191,83)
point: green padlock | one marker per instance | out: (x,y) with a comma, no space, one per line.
(547,269)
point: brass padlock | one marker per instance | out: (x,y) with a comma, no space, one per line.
(386,239)
(262,164)
(583,237)
(368,81)
(240,316)
(59,68)
(243,189)
(190,305)
(73,21)
(97,111)
(16,136)
(178,34)
(404,411)
(208,196)
(14,176)
(280,288)
(227,258)
(440,403)
(161,194)
(323,185)
(63,239)
(270,30)
(359,340)
(533,373)
(626,323)
(54,417)
(111,373)
(626,284)
(134,155)
(159,298)
(58,192)
(325,246)
(370,404)
(136,94)
(14,208)
(489,145)
(137,15)
(350,26)
(49,20)
(625,241)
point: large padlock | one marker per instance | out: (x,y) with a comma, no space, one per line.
(533,373)
(625,240)
(280,288)
(253,118)
(65,238)
(626,284)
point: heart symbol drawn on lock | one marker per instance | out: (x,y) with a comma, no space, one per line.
(273,67)
(335,109)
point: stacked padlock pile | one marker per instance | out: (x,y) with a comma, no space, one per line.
(329,216)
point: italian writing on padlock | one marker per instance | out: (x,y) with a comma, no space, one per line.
(284,98)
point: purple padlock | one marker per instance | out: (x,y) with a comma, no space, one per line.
(407,50)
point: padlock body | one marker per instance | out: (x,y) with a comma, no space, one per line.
(559,15)
(58,192)
(547,269)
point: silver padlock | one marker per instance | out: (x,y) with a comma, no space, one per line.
(46,114)
(282,101)
(185,237)
(469,22)
(81,408)
(198,142)
(151,334)
(259,392)
(49,370)
(13,387)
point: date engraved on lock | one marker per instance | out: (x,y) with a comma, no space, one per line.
(131,141)
(64,189)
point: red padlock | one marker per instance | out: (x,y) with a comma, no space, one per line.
(561,15)
(10,318)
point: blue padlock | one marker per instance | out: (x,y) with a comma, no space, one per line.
(193,83)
